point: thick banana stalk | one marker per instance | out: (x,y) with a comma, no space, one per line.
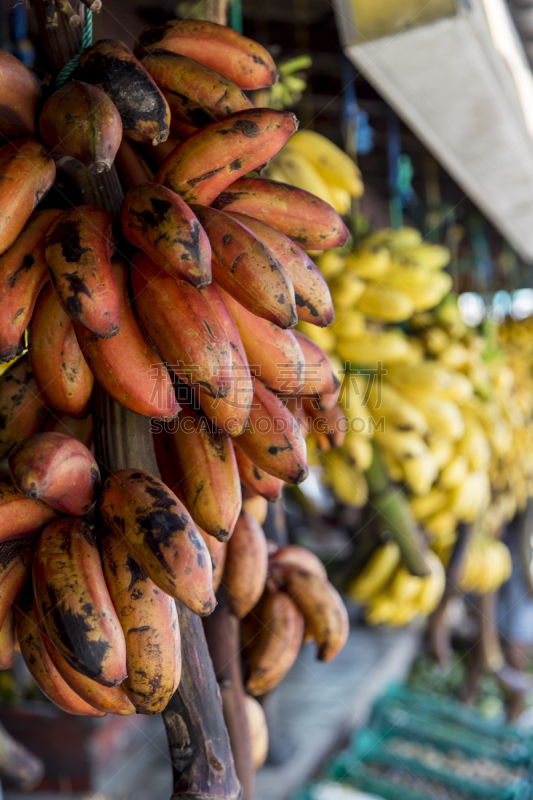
(161,537)
(26,174)
(313,300)
(21,517)
(273,440)
(78,254)
(155,219)
(22,408)
(205,469)
(127,366)
(74,604)
(196,94)
(15,564)
(241,60)
(229,413)
(274,650)
(323,610)
(246,565)
(256,479)
(183,327)
(311,223)
(149,621)
(57,469)
(274,354)
(206,163)
(7,640)
(20,97)
(112,67)
(218,551)
(41,666)
(23,273)
(291,555)
(247,270)
(81,121)
(58,365)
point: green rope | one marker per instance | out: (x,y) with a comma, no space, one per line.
(86,40)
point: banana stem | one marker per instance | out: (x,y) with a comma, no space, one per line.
(60,43)
(393,516)
(222,631)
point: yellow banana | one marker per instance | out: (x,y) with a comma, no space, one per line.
(376,573)
(300,172)
(385,303)
(330,161)
(369,262)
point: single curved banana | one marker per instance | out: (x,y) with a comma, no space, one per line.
(57,469)
(23,273)
(182,326)
(246,565)
(300,172)
(149,620)
(258,728)
(57,362)
(291,555)
(81,121)
(78,253)
(158,221)
(376,572)
(311,223)
(255,479)
(20,98)
(161,537)
(330,161)
(207,162)
(112,67)
(273,651)
(245,268)
(26,174)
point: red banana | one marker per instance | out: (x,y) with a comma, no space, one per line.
(74,604)
(208,161)
(206,473)
(57,469)
(218,551)
(16,557)
(20,94)
(182,326)
(256,479)
(26,174)
(246,565)
(81,121)
(311,292)
(20,516)
(309,221)
(78,254)
(246,269)
(127,366)
(149,620)
(196,94)
(58,365)
(112,67)
(22,408)
(274,354)
(23,273)
(272,438)
(229,413)
(157,221)
(131,169)
(318,377)
(161,537)
(240,59)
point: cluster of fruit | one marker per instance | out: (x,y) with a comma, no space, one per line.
(313,163)
(390,594)
(192,329)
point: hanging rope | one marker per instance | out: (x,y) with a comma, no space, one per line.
(86,40)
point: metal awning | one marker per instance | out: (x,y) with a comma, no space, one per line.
(461,82)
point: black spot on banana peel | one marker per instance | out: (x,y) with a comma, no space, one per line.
(160,535)
(74,604)
(112,67)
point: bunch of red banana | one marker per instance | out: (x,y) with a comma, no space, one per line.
(193,330)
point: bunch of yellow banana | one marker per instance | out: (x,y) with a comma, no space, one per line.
(390,594)
(313,163)
(486,565)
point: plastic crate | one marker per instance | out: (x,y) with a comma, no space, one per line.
(371,747)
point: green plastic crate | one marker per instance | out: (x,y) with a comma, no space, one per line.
(371,747)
